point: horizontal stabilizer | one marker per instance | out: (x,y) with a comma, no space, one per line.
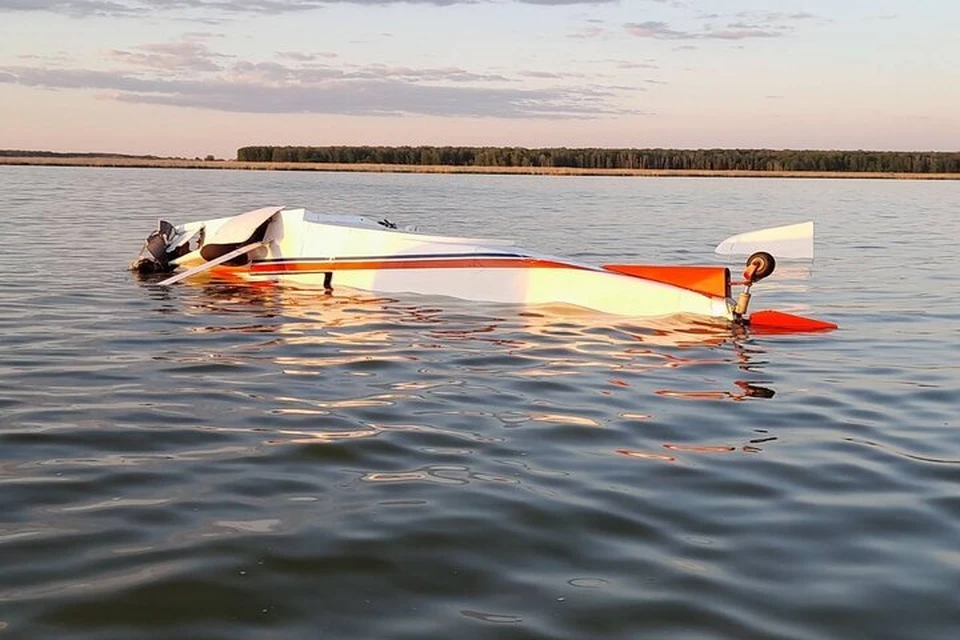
(710,281)
(779,322)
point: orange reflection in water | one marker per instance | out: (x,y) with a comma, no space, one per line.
(698,449)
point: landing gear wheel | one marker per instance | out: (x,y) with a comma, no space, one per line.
(763,264)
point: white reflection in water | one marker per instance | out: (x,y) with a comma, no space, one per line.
(314,334)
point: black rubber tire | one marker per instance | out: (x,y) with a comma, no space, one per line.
(766,265)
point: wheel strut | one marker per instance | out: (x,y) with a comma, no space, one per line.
(759,266)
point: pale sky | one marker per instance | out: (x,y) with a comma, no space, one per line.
(197,77)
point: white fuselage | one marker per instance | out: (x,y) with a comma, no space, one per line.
(349,251)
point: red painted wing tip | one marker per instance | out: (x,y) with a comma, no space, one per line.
(779,322)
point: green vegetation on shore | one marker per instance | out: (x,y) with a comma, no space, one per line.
(30,153)
(633,159)
(92,155)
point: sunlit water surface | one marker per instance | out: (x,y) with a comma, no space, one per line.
(215,461)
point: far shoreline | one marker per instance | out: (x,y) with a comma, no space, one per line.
(236,165)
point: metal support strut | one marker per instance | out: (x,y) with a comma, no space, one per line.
(759,266)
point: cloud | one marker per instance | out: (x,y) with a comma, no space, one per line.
(56,58)
(114,8)
(444,74)
(381,98)
(743,25)
(190,58)
(75,8)
(663,31)
(647,63)
(374,90)
(654,29)
(676,4)
(741,32)
(202,35)
(558,2)
(587,33)
(556,75)
(299,56)
(776,16)
(627,64)
(541,74)
(85,8)
(171,56)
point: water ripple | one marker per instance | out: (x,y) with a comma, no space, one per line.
(219,461)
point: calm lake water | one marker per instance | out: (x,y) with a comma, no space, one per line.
(214,461)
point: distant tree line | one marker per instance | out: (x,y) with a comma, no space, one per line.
(596,158)
(29,153)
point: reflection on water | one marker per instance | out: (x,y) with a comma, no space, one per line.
(455,349)
(748,390)
(558,337)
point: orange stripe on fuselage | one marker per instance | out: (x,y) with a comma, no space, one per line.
(710,281)
(440,263)
(224,272)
